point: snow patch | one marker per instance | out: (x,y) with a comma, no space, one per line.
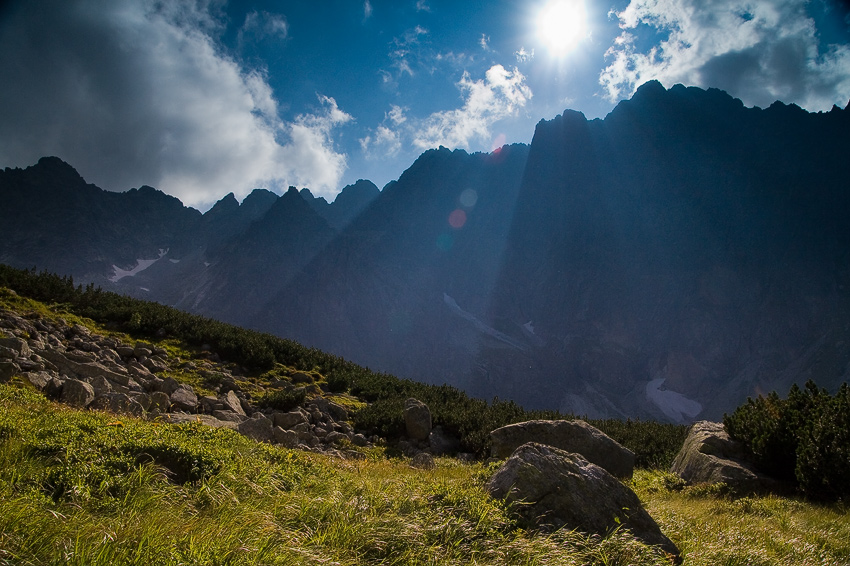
(674,405)
(528,326)
(174,260)
(141,265)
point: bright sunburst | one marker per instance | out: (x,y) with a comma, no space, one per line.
(561,25)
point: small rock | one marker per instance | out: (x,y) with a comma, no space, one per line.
(423,461)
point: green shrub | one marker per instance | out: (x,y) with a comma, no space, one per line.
(283,399)
(804,438)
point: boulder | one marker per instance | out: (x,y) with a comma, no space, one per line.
(572,436)
(708,455)
(232,402)
(258,428)
(286,438)
(160,402)
(8,370)
(417,419)
(39,379)
(291,419)
(77,393)
(184,399)
(552,489)
(423,461)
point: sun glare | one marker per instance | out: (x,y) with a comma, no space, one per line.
(561,25)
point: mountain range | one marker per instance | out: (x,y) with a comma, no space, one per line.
(664,262)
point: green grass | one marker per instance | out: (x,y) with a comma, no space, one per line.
(711,528)
(76,487)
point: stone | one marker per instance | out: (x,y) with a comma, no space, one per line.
(141,352)
(232,402)
(227,415)
(39,379)
(124,351)
(417,419)
(572,436)
(359,440)
(8,370)
(335,437)
(184,399)
(286,438)
(160,402)
(709,455)
(289,420)
(168,385)
(550,489)
(17,345)
(423,461)
(77,393)
(100,385)
(258,428)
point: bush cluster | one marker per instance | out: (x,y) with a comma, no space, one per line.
(804,438)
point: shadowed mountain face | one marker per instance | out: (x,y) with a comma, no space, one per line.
(665,262)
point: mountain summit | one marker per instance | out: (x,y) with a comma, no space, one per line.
(665,262)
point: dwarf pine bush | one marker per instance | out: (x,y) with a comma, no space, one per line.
(804,438)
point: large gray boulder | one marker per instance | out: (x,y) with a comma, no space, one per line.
(708,455)
(572,436)
(259,428)
(417,419)
(77,393)
(554,489)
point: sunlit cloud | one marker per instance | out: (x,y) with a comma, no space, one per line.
(523,55)
(486,101)
(367,10)
(140,92)
(758,51)
(484,42)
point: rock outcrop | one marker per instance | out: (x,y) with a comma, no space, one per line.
(74,366)
(572,436)
(708,455)
(554,489)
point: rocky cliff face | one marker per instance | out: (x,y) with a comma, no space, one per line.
(665,262)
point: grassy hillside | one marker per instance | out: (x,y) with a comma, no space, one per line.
(87,487)
(263,356)
(82,487)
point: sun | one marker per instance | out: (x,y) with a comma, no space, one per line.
(562,25)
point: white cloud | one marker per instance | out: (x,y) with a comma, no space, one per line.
(139,92)
(385,141)
(367,10)
(263,25)
(486,101)
(522,55)
(396,114)
(422,6)
(484,42)
(759,51)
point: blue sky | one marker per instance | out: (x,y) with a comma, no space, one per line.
(204,97)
